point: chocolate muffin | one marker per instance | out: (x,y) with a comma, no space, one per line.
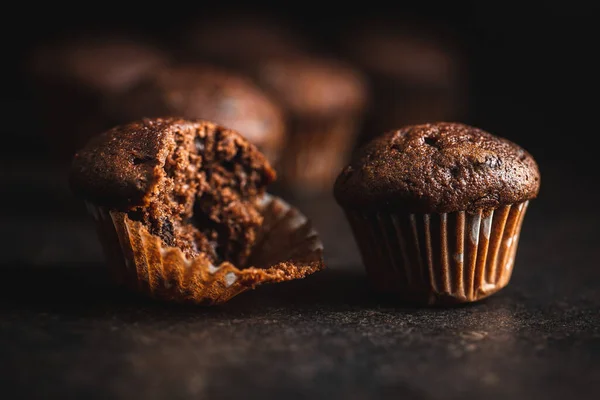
(179,202)
(418,74)
(436,210)
(210,93)
(240,39)
(73,79)
(324,101)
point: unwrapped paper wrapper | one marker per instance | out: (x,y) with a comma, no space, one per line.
(287,248)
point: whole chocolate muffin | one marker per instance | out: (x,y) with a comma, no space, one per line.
(437,209)
(324,101)
(74,78)
(210,93)
(418,74)
(179,202)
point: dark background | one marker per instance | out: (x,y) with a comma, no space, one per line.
(65,332)
(532,69)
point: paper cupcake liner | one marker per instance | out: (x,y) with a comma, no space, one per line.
(316,152)
(439,258)
(287,248)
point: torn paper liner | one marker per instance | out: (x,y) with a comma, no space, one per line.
(439,259)
(287,248)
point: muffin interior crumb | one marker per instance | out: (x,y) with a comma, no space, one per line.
(205,199)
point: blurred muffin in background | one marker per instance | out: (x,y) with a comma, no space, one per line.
(237,39)
(417,75)
(73,79)
(324,101)
(210,93)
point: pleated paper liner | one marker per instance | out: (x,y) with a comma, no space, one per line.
(287,248)
(441,259)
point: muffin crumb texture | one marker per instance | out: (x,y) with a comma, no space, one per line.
(441,167)
(195,185)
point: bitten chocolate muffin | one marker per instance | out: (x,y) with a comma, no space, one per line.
(418,74)
(73,79)
(436,210)
(177,201)
(324,101)
(207,92)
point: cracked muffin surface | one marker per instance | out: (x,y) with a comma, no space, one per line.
(439,167)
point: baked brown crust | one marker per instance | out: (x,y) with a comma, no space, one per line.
(119,168)
(440,167)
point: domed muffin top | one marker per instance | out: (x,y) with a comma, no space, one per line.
(440,167)
(128,165)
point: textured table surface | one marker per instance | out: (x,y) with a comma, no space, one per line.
(65,332)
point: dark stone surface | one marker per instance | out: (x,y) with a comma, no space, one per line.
(66,332)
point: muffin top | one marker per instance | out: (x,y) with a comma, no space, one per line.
(210,93)
(124,167)
(438,168)
(310,85)
(107,64)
